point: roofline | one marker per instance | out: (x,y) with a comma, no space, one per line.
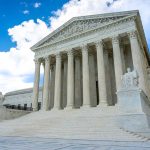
(81,18)
(21,91)
(144,41)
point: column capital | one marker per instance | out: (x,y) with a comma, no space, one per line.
(58,55)
(70,53)
(115,39)
(37,61)
(84,47)
(132,34)
(47,59)
(99,43)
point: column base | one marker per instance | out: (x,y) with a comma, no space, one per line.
(34,109)
(56,108)
(69,107)
(102,104)
(85,107)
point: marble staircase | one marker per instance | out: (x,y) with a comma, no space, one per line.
(85,123)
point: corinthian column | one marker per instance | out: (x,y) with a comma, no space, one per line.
(137,58)
(101,74)
(78,84)
(70,80)
(117,61)
(36,85)
(46,84)
(52,86)
(57,96)
(85,74)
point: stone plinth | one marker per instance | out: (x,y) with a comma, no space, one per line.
(134,109)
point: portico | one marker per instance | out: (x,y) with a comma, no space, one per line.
(84,62)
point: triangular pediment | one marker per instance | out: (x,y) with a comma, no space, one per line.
(78,25)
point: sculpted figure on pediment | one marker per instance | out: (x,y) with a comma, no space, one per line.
(79,26)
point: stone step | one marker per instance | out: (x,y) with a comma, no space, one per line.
(75,124)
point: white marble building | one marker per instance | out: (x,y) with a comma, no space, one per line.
(99,64)
(85,58)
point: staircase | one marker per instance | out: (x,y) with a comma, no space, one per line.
(88,124)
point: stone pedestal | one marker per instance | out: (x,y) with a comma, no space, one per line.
(133,104)
(133,101)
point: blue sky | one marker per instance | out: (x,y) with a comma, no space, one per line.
(12,13)
(25,22)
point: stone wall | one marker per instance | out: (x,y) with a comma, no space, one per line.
(6,114)
(20,97)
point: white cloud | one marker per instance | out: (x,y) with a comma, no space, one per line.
(89,7)
(18,62)
(36,5)
(26,12)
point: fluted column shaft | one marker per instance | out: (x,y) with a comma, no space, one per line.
(46,84)
(78,84)
(36,85)
(92,74)
(117,61)
(137,60)
(64,90)
(57,96)
(101,74)
(52,86)
(85,73)
(70,80)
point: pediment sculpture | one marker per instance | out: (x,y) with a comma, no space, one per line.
(79,26)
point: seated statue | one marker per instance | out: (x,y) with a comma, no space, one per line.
(130,79)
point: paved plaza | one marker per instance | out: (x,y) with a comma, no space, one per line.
(20,143)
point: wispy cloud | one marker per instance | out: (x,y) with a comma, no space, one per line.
(36,5)
(26,12)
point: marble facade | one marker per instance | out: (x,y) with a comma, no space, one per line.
(85,58)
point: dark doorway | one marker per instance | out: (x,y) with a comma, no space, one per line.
(97,92)
(39,105)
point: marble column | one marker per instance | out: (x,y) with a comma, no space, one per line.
(70,80)
(112,78)
(137,60)
(92,73)
(52,86)
(101,74)
(78,89)
(123,59)
(57,96)
(117,61)
(108,78)
(43,65)
(36,85)
(64,92)
(46,84)
(85,73)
